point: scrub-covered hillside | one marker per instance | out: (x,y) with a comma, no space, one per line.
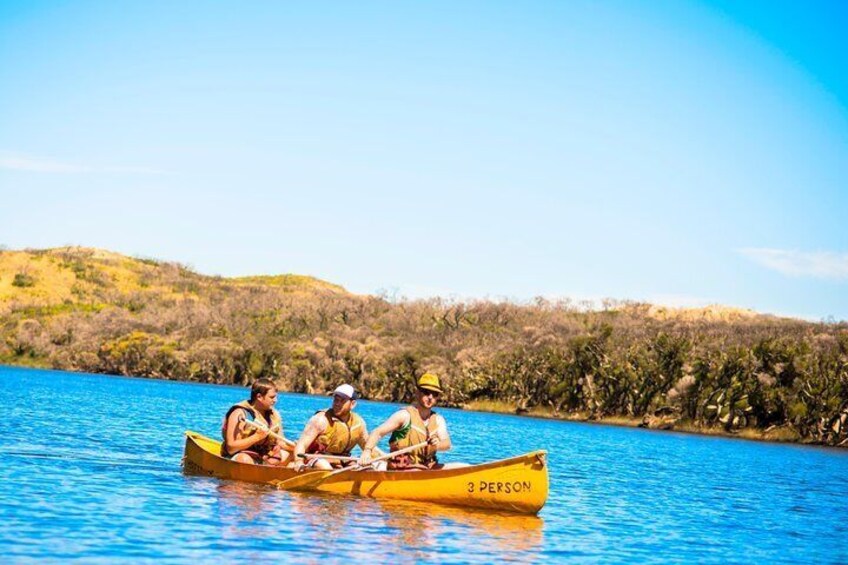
(711,369)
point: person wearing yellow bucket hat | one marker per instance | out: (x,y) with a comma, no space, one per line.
(412,425)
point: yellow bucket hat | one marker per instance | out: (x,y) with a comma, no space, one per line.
(429,381)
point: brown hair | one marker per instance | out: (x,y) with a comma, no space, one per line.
(261,386)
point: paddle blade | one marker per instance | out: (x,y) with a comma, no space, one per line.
(304,481)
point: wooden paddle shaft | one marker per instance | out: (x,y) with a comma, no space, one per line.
(394,454)
(375,460)
(328,456)
(275,435)
(308,481)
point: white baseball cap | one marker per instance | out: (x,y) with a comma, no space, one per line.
(346,390)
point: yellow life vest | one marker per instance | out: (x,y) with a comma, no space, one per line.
(414,433)
(272,421)
(339,437)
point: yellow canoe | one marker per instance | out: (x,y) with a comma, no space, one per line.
(203,457)
(517,484)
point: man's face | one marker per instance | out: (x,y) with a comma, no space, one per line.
(427,398)
(267,400)
(342,405)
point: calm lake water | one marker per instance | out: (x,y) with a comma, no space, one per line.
(92,472)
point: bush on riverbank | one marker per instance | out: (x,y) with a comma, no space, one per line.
(102,312)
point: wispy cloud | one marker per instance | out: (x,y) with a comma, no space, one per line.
(818,264)
(27,163)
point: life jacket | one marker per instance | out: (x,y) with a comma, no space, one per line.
(265,446)
(339,437)
(411,434)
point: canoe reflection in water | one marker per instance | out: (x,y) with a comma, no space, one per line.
(415,530)
(245,511)
(428,525)
(244,502)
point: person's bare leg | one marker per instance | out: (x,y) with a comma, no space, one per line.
(322,465)
(243,458)
(454,465)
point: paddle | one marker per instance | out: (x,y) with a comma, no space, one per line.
(288,443)
(308,481)
(328,456)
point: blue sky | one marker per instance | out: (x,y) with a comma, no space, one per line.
(682,153)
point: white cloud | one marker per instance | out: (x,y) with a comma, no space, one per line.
(26,163)
(819,264)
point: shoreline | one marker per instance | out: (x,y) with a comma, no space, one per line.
(775,435)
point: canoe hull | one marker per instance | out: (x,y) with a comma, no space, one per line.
(518,484)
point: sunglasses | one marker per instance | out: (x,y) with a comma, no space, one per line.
(433,393)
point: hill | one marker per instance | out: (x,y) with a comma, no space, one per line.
(93,278)
(703,369)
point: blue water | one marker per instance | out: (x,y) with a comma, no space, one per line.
(91,472)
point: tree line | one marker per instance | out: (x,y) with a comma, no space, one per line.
(781,377)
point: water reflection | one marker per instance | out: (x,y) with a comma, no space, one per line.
(414,530)
(246,503)
(239,509)
(334,517)
(426,525)
(385,529)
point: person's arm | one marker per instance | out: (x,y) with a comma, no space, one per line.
(395,421)
(316,425)
(234,424)
(363,441)
(284,443)
(440,441)
(280,441)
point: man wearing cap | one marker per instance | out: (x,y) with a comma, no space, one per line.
(414,424)
(333,432)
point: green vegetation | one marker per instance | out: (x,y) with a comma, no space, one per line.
(23,280)
(758,376)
